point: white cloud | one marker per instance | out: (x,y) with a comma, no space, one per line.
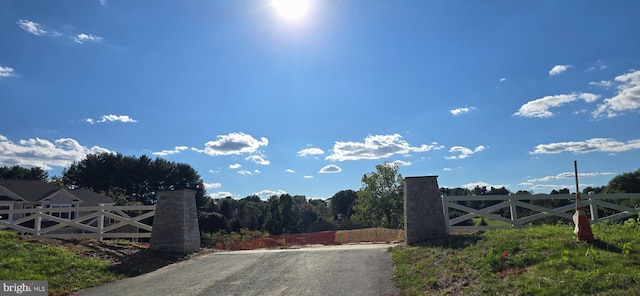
(6,72)
(461,110)
(43,153)
(111,118)
(540,107)
(600,66)
(481,184)
(245,172)
(31,27)
(503,79)
(564,175)
(310,151)
(220,194)
(401,163)
(259,159)
(290,171)
(627,98)
(233,144)
(265,194)
(82,38)
(447,169)
(376,147)
(235,166)
(102,2)
(550,186)
(602,83)
(212,185)
(307,177)
(464,152)
(557,69)
(591,145)
(330,169)
(38,30)
(175,150)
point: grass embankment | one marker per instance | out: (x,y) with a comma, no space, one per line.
(541,260)
(65,271)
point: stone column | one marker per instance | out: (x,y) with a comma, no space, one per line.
(175,224)
(423,212)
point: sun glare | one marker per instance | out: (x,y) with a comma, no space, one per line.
(292,10)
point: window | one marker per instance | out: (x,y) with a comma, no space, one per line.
(5,217)
(63,215)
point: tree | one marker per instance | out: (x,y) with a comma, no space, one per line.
(139,178)
(499,191)
(342,202)
(18,172)
(595,190)
(561,191)
(308,216)
(625,183)
(289,213)
(225,208)
(380,201)
(273,222)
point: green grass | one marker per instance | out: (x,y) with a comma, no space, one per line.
(489,222)
(65,271)
(541,260)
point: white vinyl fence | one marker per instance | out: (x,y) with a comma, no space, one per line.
(606,203)
(104,221)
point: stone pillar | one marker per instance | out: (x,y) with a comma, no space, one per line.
(175,225)
(423,212)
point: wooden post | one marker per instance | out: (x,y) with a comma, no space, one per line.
(101,222)
(514,213)
(593,206)
(38,220)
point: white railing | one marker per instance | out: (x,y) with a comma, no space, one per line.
(104,221)
(592,202)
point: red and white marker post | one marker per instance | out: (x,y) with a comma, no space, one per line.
(580,219)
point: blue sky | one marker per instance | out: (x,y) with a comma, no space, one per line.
(260,101)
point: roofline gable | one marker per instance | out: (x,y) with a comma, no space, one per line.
(63,192)
(11,194)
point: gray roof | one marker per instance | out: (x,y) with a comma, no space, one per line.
(30,190)
(33,190)
(90,198)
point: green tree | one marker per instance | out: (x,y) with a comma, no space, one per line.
(342,202)
(225,208)
(273,222)
(625,183)
(18,172)
(380,201)
(561,191)
(139,178)
(290,214)
(308,216)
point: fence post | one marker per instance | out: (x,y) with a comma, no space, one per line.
(593,207)
(100,222)
(445,211)
(38,220)
(514,213)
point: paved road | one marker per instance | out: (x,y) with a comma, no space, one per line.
(327,270)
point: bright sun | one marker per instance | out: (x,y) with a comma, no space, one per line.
(291,9)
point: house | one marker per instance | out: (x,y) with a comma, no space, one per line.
(29,194)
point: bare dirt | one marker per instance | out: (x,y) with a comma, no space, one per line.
(128,258)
